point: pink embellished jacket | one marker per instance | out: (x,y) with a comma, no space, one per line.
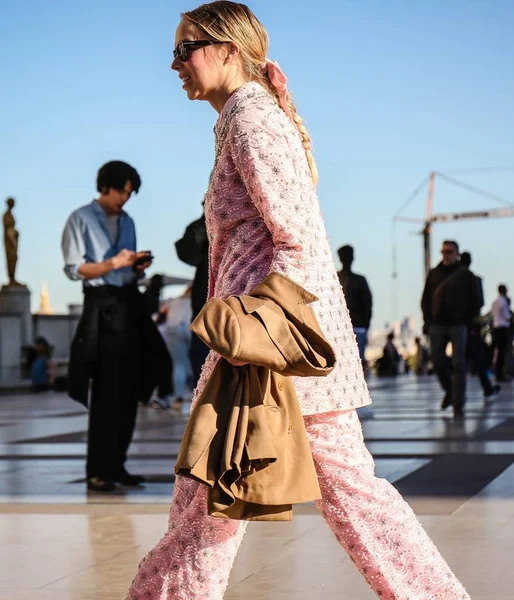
(263,215)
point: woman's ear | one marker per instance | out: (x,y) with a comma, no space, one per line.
(232,53)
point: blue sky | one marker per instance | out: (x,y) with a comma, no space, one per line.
(390,89)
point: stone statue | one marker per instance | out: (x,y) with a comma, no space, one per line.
(11,242)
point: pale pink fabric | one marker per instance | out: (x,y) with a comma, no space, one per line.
(369,518)
(263,215)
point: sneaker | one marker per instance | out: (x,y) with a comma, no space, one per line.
(163,403)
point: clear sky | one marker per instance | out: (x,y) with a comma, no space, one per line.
(390,89)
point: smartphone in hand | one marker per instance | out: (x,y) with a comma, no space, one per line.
(145,257)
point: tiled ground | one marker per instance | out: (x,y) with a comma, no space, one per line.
(59,543)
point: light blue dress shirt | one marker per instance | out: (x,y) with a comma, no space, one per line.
(86,239)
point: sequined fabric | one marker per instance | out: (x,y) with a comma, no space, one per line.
(370,519)
(263,215)
(367,515)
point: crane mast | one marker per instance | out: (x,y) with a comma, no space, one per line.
(431,218)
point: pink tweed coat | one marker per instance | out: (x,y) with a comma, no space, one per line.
(263,215)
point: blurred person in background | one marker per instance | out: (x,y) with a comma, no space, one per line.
(421,357)
(193,249)
(452,299)
(502,322)
(178,338)
(358,298)
(42,369)
(152,295)
(162,396)
(115,332)
(478,355)
(388,363)
(162,362)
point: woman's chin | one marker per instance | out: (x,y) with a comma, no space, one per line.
(194,94)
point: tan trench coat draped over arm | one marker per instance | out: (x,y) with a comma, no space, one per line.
(246,438)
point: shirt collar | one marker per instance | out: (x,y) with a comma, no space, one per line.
(100,213)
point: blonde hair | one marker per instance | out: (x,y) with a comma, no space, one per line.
(226,21)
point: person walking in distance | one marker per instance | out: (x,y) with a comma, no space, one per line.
(358,298)
(193,249)
(263,217)
(502,320)
(451,300)
(99,249)
(477,349)
(178,337)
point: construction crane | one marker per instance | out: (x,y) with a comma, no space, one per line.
(430,218)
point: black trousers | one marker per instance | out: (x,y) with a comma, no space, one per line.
(477,353)
(115,390)
(198,352)
(158,362)
(451,375)
(501,337)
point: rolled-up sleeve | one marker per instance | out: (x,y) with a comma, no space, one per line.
(73,247)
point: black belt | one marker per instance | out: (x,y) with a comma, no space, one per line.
(122,293)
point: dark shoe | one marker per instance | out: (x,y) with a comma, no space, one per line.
(96,484)
(458,413)
(447,401)
(125,478)
(493,392)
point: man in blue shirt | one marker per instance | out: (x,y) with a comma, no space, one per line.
(99,249)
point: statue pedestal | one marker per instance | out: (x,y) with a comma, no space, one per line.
(15,299)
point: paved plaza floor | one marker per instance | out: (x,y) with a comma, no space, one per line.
(57,542)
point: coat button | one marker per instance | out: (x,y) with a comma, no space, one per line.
(280,386)
(290,429)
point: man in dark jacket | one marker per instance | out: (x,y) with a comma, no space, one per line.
(451,299)
(358,298)
(193,249)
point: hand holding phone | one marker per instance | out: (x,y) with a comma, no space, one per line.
(143,257)
(124,258)
(144,260)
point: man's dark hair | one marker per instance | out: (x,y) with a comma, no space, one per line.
(502,289)
(115,174)
(465,259)
(346,253)
(452,243)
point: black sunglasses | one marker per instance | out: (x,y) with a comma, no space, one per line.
(184,48)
